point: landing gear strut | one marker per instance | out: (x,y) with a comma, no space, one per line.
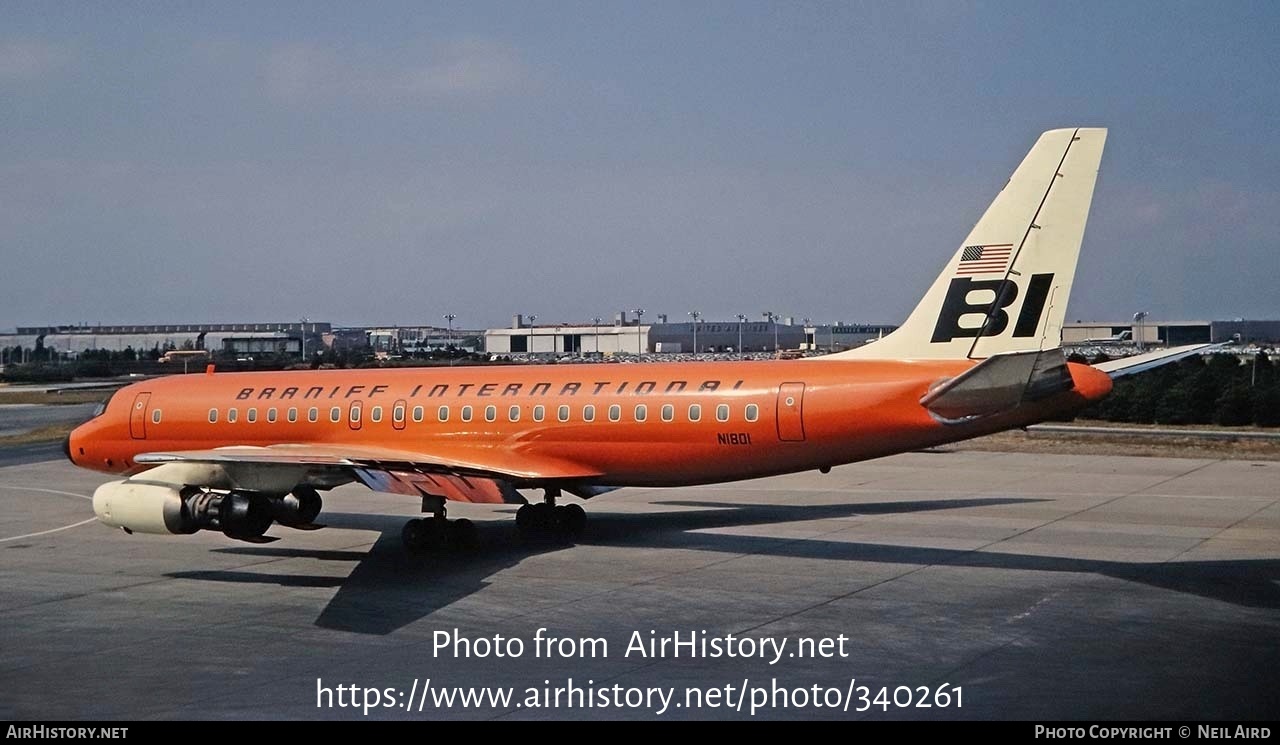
(548,518)
(437,532)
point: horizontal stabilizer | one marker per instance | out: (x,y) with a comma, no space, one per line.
(998,384)
(1143,362)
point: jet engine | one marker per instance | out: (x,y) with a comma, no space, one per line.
(150,507)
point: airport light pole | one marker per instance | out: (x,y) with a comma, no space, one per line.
(742,318)
(533,333)
(696,315)
(1139,318)
(595,325)
(639,332)
(807,321)
(304,323)
(773,319)
(449,318)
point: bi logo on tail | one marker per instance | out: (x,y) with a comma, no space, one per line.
(956,305)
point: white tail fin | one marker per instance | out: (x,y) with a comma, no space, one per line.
(1006,288)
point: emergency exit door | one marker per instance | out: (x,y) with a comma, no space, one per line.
(138,416)
(791,412)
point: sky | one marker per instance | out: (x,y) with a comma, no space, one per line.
(387,163)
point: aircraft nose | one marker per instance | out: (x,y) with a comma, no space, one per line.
(66,449)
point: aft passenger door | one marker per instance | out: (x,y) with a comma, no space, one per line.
(138,416)
(791,412)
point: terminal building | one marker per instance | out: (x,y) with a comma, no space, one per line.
(625,335)
(232,339)
(838,337)
(419,340)
(1170,333)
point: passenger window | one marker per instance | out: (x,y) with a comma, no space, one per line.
(271,414)
(615,413)
(539,412)
(293,415)
(155,416)
(466,413)
(251,415)
(668,413)
(335,414)
(753,412)
(417,413)
(355,414)
(562,413)
(443,413)
(397,414)
(376,415)
(213,416)
(231,416)
(513,413)
(313,414)
(490,413)
(588,413)
(695,412)
(722,413)
(642,412)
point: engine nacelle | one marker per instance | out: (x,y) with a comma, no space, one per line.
(148,507)
(141,507)
(298,508)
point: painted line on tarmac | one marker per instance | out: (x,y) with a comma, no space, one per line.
(51,530)
(47,532)
(46,491)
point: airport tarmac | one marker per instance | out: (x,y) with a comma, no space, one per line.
(1045,586)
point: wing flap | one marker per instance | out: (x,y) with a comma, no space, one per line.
(500,463)
(474,489)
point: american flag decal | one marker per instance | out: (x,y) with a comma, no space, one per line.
(989,259)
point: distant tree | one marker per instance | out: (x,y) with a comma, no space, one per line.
(1266,405)
(1148,390)
(1234,408)
(1174,406)
(1262,370)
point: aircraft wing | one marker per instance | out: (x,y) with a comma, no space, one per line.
(467,474)
(1142,362)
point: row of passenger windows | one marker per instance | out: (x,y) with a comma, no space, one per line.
(466,413)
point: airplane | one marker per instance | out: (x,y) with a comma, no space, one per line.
(981,353)
(1124,337)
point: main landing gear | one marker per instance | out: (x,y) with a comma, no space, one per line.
(437,532)
(549,519)
(542,520)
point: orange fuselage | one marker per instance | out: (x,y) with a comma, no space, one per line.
(781,416)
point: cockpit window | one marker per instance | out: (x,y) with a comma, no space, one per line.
(102,407)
